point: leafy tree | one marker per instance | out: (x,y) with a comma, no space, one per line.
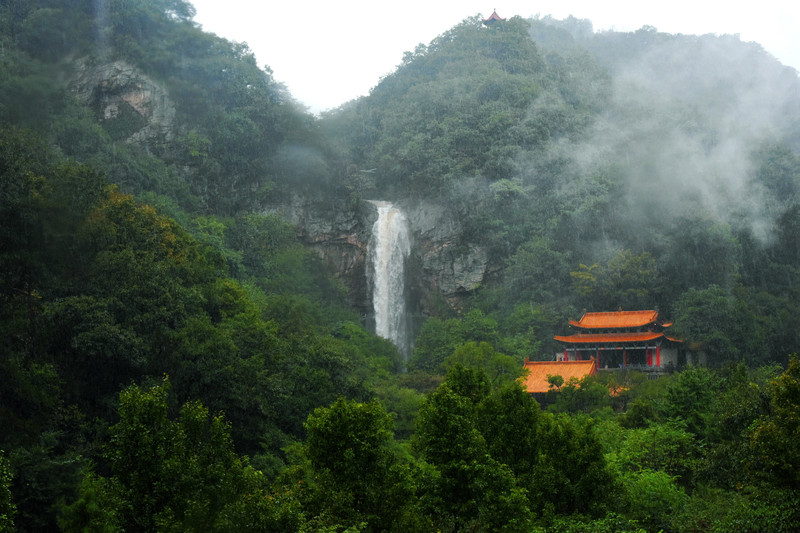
(654,498)
(536,272)
(469,488)
(350,447)
(690,398)
(177,475)
(774,511)
(702,253)
(666,448)
(585,395)
(627,280)
(572,475)
(702,318)
(513,427)
(774,437)
(743,399)
(778,171)
(435,342)
(500,368)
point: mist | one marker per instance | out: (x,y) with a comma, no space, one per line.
(684,126)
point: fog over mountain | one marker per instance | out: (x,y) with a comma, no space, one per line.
(685,123)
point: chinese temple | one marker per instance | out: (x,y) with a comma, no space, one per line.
(621,339)
(493,18)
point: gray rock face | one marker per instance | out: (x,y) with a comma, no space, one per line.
(448,267)
(339,231)
(130,105)
(441,267)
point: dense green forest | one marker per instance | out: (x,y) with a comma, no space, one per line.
(174,358)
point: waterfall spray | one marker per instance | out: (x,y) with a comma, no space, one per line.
(389,247)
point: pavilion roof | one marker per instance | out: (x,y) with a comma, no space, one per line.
(493,17)
(616,319)
(603,338)
(536,378)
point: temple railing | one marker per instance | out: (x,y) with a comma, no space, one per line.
(639,368)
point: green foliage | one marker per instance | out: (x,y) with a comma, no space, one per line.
(744,398)
(558,462)
(690,398)
(176,475)
(666,448)
(438,340)
(774,437)
(572,475)
(628,280)
(536,272)
(469,489)
(349,445)
(587,395)
(500,368)
(511,421)
(702,317)
(775,511)
(654,498)
(612,523)
(99,290)
(470,88)
(7,507)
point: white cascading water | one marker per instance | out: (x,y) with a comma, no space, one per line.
(389,247)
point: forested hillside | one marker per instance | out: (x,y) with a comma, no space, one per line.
(175,358)
(602,170)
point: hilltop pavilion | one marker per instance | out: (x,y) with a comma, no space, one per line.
(493,18)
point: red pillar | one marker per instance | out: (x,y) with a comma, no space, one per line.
(658,356)
(566,356)
(649,357)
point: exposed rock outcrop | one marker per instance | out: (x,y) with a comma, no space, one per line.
(130,105)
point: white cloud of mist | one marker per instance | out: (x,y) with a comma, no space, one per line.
(685,119)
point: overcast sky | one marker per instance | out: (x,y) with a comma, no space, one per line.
(328,52)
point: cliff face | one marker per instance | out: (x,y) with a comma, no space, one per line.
(442,270)
(339,231)
(448,268)
(131,106)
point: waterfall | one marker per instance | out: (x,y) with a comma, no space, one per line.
(389,247)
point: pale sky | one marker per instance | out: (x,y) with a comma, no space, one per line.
(328,52)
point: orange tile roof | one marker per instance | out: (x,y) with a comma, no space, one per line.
(588,338)
(536,378)
(616,319)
